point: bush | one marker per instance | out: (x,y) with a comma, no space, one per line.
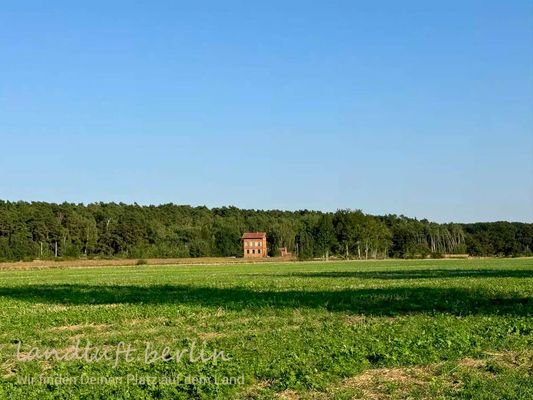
(141,261)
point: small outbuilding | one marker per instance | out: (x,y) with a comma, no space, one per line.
(255,244)
(284,252)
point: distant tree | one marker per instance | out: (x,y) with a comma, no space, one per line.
(228,241)
(325,235)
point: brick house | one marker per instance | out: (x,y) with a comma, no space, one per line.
(255,244)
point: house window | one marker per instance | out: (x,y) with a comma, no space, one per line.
(247,251)
(259,244)
(253,251)
(259,251)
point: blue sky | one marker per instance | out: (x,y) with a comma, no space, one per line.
(417,108)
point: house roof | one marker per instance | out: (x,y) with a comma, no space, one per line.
(254,235)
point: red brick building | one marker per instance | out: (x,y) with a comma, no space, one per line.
(255,244)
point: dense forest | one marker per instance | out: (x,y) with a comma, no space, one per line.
(45,230)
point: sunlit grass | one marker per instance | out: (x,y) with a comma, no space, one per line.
(311,330)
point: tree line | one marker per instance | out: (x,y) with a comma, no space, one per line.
(47,230)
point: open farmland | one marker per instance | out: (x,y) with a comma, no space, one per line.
(386,329)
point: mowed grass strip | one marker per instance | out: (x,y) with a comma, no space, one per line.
(391,329)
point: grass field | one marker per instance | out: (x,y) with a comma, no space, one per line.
(391,329)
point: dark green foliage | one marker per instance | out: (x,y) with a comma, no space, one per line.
(325,235)
(499,238)
(43,230)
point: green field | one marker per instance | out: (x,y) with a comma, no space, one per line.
(391,329)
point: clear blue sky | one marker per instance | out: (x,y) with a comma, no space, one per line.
(416,107)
